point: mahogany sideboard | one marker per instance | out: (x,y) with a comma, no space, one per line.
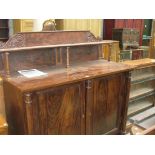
(81,94)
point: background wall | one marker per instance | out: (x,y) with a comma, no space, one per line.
(11,27)
(38,24)
(23,25)
(94,25)
(109,24)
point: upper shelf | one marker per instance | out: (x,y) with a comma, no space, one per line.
(51,39)
(55,46)
(50,49)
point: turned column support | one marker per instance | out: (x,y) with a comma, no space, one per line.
(100,51)
(67,58)
(110,49)
(28,98)
(6,64)
(58,55)
(29,113)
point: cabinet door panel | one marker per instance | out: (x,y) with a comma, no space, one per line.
(66,110)
(107,103)
(60,110)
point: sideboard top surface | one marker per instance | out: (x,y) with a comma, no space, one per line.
(61,76)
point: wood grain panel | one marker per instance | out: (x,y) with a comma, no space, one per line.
(106,104)
(32,59)
(82,54)
(94,25)
(79,72)
(66,112)
(15,110)
(60,110)
(42,111)
(89,106)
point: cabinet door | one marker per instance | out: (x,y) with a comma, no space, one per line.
(106,104)
(60,110)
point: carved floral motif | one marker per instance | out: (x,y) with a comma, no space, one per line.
(17,40)
(91,37)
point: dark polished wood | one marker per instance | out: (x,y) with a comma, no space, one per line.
(60,76)
(107,111)
(36,49)
(81,93)
(56,111)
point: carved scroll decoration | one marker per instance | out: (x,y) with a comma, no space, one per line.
(17,40)
(91,37)
(2,44)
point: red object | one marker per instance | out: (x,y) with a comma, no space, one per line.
(139,24)
(137,54)
(119,23)
(109,24)
(129,23)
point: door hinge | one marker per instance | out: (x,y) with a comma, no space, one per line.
(88,84)
(28,98)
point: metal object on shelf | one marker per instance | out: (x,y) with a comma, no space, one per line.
(49,25)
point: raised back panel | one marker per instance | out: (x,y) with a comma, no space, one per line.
(39,57)
(29,39)
(83,53)
(45,58)
(31,59)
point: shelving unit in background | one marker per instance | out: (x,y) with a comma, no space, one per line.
(4,30)
(142,90)
(23,25)
(111,51)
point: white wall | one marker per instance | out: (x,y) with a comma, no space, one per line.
(38,24)
(11,31)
